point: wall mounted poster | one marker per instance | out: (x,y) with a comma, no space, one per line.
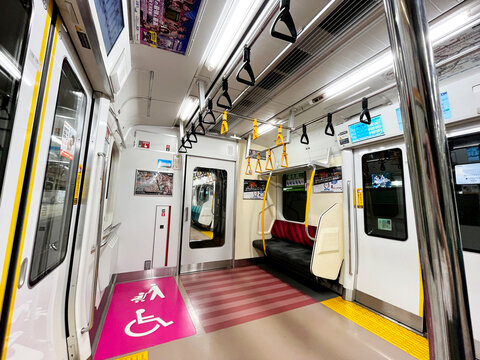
(328,180)
(153,183)
(166,24)
(254,189)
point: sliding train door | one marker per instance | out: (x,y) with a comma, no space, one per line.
(388,277)
(207,240)
(37,326)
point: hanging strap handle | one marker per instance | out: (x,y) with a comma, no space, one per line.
(191,136)
(255,130)
(258,165)
(224,128)
(209,112)
(304,139)
(247,67)
(225,95)
(329,130)
(279,137)
(248,170)
(269,165)
(182,149)
(285,17)
(187,143)
(284,162)
(365,112)
(199,129)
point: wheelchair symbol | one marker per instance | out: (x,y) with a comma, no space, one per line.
(143,320)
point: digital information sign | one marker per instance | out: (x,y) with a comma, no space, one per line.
(361,131)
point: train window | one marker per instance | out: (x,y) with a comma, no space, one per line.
(384,195)
(53,227)
(294,197)
(14,22)
(465,156)
(209,204)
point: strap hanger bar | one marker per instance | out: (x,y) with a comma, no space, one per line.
(250,119)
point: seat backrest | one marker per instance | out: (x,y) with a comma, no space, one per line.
(295,232)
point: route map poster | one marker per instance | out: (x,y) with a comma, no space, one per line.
(166,24)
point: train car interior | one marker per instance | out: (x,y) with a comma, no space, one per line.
(240,179)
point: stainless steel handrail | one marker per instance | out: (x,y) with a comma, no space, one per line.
(88,327)
(349,228)
(108,234)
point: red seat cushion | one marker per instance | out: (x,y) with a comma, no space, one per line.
(295,232)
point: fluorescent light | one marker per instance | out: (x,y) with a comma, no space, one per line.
(9,66)
(188,106)
(451,26)
(235,20)
(264,128)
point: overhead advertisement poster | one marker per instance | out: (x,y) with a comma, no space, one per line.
(254,189)
(328,180)
(166,24)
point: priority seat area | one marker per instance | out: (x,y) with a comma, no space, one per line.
(289,246)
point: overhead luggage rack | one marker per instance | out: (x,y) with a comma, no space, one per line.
(311,165)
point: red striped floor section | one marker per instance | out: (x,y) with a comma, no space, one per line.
(225,298)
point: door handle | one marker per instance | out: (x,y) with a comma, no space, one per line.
(186,213)
(88,327)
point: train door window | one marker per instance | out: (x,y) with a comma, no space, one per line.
(384,195)
(14,23)
(294,197)
(209,197)
(465,158)
(56,207)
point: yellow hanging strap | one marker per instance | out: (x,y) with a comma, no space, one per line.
(248,170)
(283,163)
(263,215)
(312,176)
(279,137)
(269,165)
(224,128)
(258,167)
(255,130)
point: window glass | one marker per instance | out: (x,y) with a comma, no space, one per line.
(14,23)
(60,177)
(294,196)
(465,156)
(384,195)
(209,203)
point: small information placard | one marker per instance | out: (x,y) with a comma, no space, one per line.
(361,131)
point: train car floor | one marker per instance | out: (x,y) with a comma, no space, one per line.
(252,312)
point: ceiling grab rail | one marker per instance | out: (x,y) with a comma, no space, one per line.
(304,139)
(247,67)
(199,126)
(329,129)
(224,128)
(248,170)
(225,95)
(263,213)
(365,112)
(269,161)
(258,165)
(209,112)
(285,17)
(307,206)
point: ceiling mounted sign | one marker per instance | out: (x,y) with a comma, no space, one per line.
(166,24)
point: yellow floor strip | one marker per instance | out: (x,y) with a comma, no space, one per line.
(404,339)
(138,356)
(208,233)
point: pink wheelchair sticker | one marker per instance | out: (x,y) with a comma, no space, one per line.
(143,314)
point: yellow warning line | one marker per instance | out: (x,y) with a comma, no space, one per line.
(404,339)
(138,356)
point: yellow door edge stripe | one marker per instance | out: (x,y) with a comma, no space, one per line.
(26,143)
(138,356)
(420,305)
(29,198)
(402,338)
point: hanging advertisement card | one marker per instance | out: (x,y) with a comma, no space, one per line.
(328,180)
(69,135)
(254,189)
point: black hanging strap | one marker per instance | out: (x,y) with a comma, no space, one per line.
(225,95)
(247,67)
(187,143)
(304,139)
(199,129)
(182,149)
(191,136)
(209,112)
(287,19)
(329,130)
(365,112)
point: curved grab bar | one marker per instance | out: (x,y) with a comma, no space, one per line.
(247,67)
(307,206)
(304,139)
(287,19)
(263,213)
(209,112)
(365,112)
(329,130)
(225,95)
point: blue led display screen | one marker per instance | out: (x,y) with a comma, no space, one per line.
(361,131)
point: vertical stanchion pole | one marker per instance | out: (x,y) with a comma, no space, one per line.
(446,307)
